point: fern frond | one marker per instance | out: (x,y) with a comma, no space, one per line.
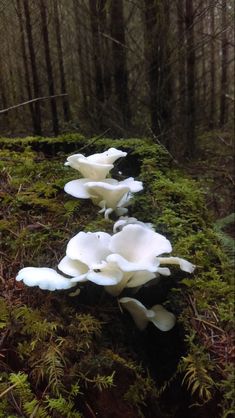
(33,409)
(34,324)
(51,365)
(23,392)
(196,377)
(226,240)
(63,406)
(99,381)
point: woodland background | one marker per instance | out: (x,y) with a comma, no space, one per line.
(139,68)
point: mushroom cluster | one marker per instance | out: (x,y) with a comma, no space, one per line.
(134,255)
(109,194)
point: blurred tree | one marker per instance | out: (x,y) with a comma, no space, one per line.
(181,71)
(212,66)
(119,58)
(34,70)
(138,67)
(48,60)
(65,101)
(190,75)
(224,69)
(95,12)
(25,64)
(157,53)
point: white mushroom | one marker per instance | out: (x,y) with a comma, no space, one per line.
(44,277)
(95,166)
(109,194)
(136,248)
(158,315)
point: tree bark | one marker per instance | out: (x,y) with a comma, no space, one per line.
(224,71)
(212,67)
(203,91)
(50,77)
(190,75)
(65,102)
(97,57)
(151,56)
(36,86)
(105,49)
(82,73)
(157,55)
(120,61)
(25,65)
(181,71)
(166,80)
(3,98)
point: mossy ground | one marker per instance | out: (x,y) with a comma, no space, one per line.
(47,336)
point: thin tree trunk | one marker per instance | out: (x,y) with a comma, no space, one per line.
(204,107)
(11,73)
(190,61)
(36,86)
(65,102)
(166,73)
(50,77)
(120,61)
(97,57)
(82,78)
(105,49)
(2,89)
(181,70)
(224,71)
(3,98)
(158,67)
(25,64)
(212,67)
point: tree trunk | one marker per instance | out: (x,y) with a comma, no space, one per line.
(190,75)
(50,77)
(36,86)
(203,92)
(212,67)
(4,120)
(120,61)
(166,72)
(82,72)
(26,67)
(66,108)
(181,72)
(97,57)
(157,55)
(224,72)
(105,49)
(151,56)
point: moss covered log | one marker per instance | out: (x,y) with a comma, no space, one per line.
(64,356)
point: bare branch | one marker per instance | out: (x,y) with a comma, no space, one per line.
(32,101)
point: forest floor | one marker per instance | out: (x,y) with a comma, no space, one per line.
(214,169)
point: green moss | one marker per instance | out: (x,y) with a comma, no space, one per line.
(39,218)
(62,357)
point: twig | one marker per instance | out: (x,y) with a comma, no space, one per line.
(210,324)
(8,390)
(222,139)
(161,144)
(32,101)
(94,140)
(90,410)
